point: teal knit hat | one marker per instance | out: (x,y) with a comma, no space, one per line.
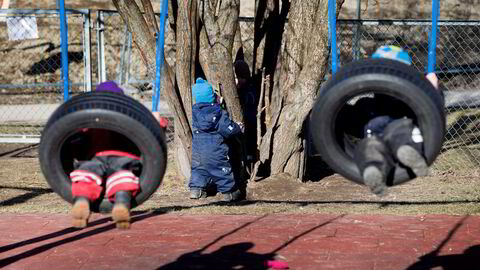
(394,53)
(203,91)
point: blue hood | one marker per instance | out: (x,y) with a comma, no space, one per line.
(205,116)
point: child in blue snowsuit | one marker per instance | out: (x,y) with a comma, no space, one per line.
(210,162)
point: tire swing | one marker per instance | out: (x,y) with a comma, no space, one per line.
(394,82)
(130,121)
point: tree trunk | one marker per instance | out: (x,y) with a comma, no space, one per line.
(270,22)
(186,51)
(220,21)
(304,64)
(144,39)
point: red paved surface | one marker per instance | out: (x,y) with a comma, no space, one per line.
(172,241)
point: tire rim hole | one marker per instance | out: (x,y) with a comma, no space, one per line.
(355,113)
(74,148)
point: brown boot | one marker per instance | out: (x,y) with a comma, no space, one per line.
(121,209)
(80,212)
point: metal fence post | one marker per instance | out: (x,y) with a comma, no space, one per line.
(128,63)
(64,49)
(356,41)
(432,43)
(159,56)
(101,69)
(121,71)
(332,22)
(87,42)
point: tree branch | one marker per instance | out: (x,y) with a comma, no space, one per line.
(150,16)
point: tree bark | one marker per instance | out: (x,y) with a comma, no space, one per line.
(150,18)
(186,51)
(144,39)
(304,64)
(220,20)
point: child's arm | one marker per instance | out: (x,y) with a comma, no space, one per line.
(227,127)
(432,77)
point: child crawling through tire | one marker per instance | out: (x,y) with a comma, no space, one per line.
(389,136)
(110,162)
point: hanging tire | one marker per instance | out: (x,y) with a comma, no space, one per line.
(378,77)
(102,110)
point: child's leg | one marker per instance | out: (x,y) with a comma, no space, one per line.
(198,180)
(223,177)
(121,186)
(374,162)
(86,187)
(406,142)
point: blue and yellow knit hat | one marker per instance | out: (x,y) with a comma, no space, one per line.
(203,91)
(394,53)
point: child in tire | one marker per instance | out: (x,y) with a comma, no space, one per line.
(210,162)
(110,162)
(389,140)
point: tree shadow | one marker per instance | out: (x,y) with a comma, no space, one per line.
(464,134)
(18,151)
(52,63)
(32,252)
(32,193)
(234,256)
(467,260)
(460,126)
(50,236)
(136,216)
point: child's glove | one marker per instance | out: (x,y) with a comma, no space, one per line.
(220,100)
(242,126)
(161,120)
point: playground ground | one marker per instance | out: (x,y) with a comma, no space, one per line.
(159,240)
(327,223)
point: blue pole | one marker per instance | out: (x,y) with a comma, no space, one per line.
(332,23)
(432,43)
(64,49)
(159,56)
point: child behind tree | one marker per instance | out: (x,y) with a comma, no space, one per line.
(210,161)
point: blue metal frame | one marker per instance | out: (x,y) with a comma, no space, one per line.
(64,49)
(159,56)
(432,43)
(332,27)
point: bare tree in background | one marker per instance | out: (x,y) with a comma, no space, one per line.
(204,37)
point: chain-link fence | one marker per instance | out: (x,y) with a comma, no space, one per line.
(121,59)
(247,30)
(458,66)
(30,74)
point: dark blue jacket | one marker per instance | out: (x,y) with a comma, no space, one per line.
(211,126)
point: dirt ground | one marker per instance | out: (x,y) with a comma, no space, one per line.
(23,189)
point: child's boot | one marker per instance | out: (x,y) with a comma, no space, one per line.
(197,193)
(411,158)
(232,196)
(121,209)
(406,141)
(374,162)
(80,212)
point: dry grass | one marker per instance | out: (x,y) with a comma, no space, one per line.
(23,189)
